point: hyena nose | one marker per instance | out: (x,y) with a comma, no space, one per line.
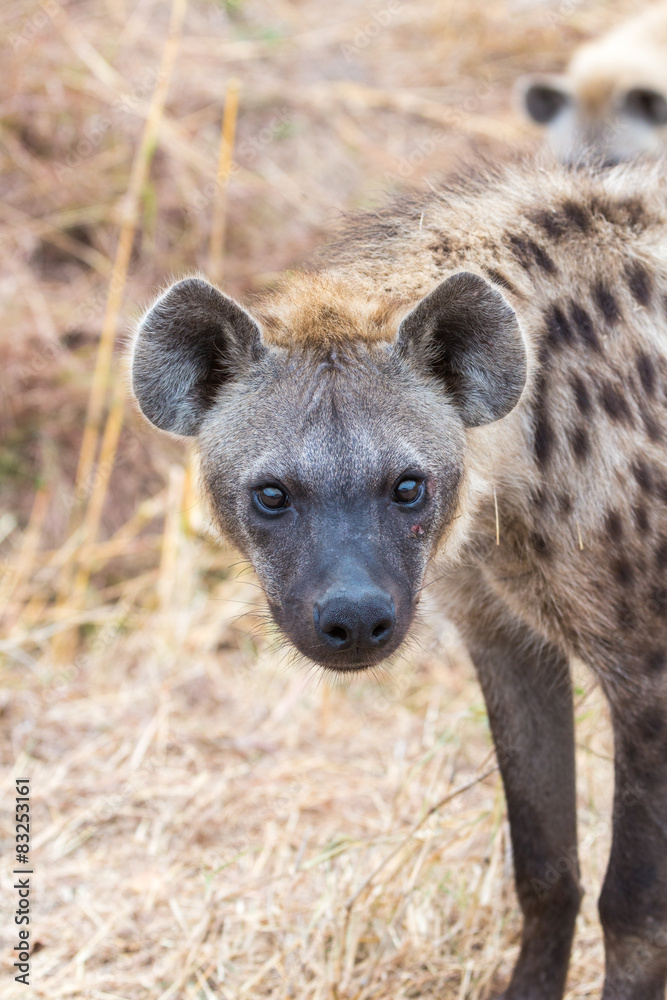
(349,621)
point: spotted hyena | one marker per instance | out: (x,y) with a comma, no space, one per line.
(612,100)
(473,385)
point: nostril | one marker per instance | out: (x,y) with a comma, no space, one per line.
(354,620)
(382,630)
(337,632)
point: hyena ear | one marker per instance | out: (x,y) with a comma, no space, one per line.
(189,344)
(542,98)
(466,335)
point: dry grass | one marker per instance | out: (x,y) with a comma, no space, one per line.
(210,820)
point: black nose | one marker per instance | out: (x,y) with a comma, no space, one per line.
(347,620)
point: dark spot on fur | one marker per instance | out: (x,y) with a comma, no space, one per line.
(657,601)
(639,283)
(606,303)
(578,215)
(544,437)
(553,224)
(640,515)
(539,498)
(651,724)
(540,545)
(631,210)
(584,326)
(626,617)
(542,258)
(580,443)
(614,403)
(581,396)
(623,572)
(442,249)
(643,476)
(659,486)
(645,748)
(614,525)
(529,253)
(651,426)
(543,440)
(559,331)
(500,279)
(656,661)
(661,554)
(564,504)
(647,373)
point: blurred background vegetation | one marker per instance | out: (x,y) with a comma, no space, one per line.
(211,821)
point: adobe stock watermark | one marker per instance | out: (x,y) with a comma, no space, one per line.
(110,805)
(453,118)
(126,617)
(562,13)
(39,359)
(247,151)
(550,14)
(639,966)
(33,26)
(22,881)
(368,32)
(567,862)
(97,126)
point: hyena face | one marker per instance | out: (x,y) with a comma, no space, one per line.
(600,120)
(611,103)
(336,465)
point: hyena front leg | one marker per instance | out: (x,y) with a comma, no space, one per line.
(633,903)
(527,688)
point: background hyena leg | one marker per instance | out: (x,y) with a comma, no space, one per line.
(528,694)
(633,903)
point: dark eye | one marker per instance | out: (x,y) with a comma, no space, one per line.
(272,497)
(408,490)
(649,105)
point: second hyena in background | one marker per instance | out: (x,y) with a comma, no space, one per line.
(612,100)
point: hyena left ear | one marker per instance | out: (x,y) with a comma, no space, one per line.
(188,345)
(466,335)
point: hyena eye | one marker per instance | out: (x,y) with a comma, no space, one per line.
(408,490)
(272,497)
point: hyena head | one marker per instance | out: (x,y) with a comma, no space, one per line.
(337,464)
(597,116)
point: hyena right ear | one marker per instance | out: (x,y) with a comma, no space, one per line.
(542,98)
(466,336)
(192,341)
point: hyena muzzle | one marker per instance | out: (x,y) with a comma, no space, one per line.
(493,354)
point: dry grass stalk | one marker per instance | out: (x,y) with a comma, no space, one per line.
(92,517)
(25,559)
(225,157)
(131,209)
(130,212)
